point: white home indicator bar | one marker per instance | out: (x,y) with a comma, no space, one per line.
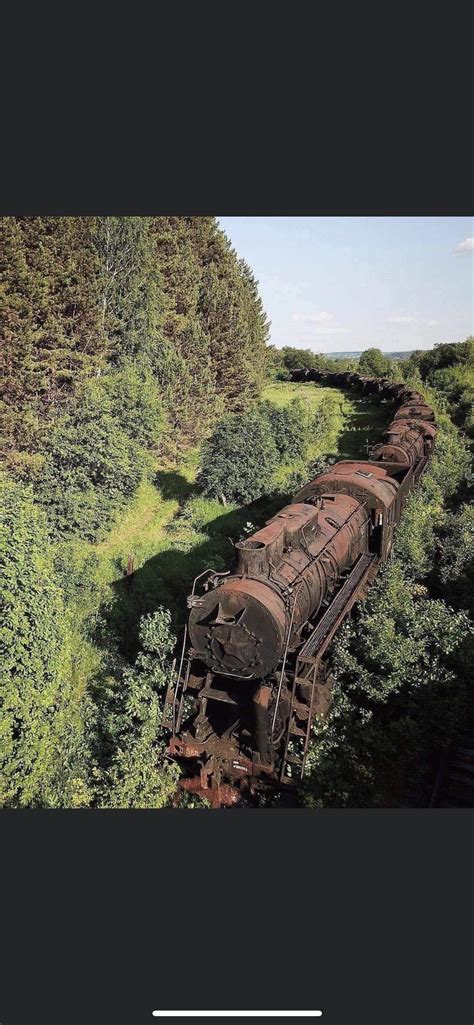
(237,1014)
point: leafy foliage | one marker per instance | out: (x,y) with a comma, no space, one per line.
(42,748)
(449,368)
(91,464)
(373,363)
(130,768)
(401,665)
(303,359)
(240,458)
(289,426)
(456,566)
(424,514)
(400,692)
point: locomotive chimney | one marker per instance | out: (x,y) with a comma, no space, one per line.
(252,556)
(262,548)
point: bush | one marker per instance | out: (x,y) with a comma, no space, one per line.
(130,767)
(424,515)
(400,693)
(457,557)
(289,426)
(239,459)
(90,466)
(42,745)
(324,419)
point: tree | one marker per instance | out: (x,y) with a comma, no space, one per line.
(305,359)
(232,315)
(240,458)
(181,271)
(52,330)
(290,428)
(90,466)
(130,287)
(373,363)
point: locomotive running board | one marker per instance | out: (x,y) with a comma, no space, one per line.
(308,663)
(342,603)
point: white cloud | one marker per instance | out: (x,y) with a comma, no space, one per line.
(467,246)
(414,319)
(313,318)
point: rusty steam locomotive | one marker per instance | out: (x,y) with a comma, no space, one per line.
(252,675)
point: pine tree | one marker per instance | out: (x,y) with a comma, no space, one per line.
(52,329)
(231,315)
(191,388)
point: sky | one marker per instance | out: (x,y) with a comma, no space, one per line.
(335,284)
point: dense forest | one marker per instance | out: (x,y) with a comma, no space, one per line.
(136,364)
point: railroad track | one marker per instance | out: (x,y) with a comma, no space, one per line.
(454,784)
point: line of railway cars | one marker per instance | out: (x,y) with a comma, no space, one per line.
(252,676)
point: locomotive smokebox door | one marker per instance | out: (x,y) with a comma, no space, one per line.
(238,629)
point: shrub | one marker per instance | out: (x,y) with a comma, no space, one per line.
(240,458)
(42,748)
(130,767)
(400,694)
(457,557)
(424,514)
(289,426)
(90,466)
(324,418)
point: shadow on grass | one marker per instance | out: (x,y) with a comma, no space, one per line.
(167,577)
(173,485)
(364,427)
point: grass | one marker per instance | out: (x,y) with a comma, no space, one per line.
(281,393)
(174,533)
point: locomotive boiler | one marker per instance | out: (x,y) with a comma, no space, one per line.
(284,572)
(253,674)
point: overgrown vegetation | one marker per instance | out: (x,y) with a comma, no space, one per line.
(43,713)
(146,426)
(270,446)
(449,369)
(123,341)
(401,665)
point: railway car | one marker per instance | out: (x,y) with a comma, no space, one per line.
(252,675)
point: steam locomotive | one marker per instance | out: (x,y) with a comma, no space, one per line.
(252,676)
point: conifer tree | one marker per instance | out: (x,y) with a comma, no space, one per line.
(232,316)
(52,329)
(191,388)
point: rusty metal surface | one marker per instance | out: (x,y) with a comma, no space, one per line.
(362,479)
(241,702)
(239,627)
(415,411)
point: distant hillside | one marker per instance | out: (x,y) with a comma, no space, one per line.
(355,355)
